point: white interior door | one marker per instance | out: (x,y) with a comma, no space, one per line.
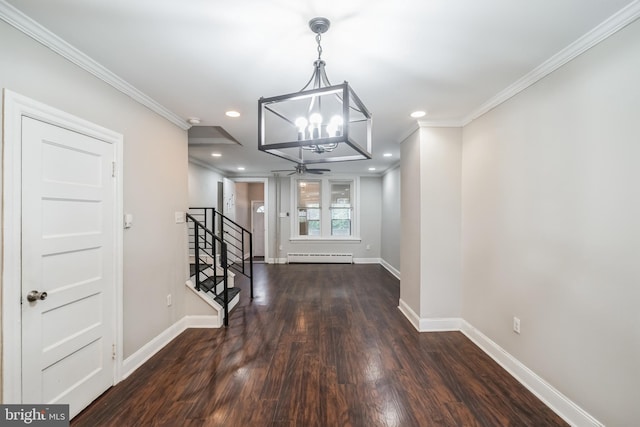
(68,196)
(257,227)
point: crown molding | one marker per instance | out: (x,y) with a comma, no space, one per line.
(206,166)
(31,28)
(440,123)
(610,26)
(415,126)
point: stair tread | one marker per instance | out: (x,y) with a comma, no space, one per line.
(203,266)
(209,283)
(232,293)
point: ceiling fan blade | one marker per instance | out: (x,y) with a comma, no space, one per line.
(315,171)
(321,170)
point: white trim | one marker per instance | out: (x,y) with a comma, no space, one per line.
(203,322)
(434,324)
(328,239)
(440,123)
(31,28)
(205,165)
(604,30)
(391,269)
(325,216)
(276,260)
(265,184)
(15,107)
(607,28)
(411,315)
(366,260)
(559,403)
(408,132)
(147,351)
(554,399)
(189,284)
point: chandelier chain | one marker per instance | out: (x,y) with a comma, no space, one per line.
(318,39)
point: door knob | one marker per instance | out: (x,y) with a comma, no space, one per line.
(35,296)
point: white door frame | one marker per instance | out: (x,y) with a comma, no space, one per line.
(265,182)
(15,107)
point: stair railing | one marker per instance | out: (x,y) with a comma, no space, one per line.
(204,246)
(237,238)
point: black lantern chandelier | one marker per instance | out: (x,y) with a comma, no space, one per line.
(319,124)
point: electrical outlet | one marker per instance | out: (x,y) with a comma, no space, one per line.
(169,301)
(516,325)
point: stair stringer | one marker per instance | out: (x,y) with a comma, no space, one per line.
(202,304)
(198,304)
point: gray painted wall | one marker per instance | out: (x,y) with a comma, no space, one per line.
(203,186)
(551,232)
(391,218)
(155,255)
(410,249)
(431,173)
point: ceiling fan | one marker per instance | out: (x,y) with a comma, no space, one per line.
(302,169)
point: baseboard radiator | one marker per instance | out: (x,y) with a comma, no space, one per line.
(319,258)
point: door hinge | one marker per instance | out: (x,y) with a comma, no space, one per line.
(113,351)
(113,169)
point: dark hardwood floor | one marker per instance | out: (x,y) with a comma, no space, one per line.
(320,345)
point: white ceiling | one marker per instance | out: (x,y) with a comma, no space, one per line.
(200,58)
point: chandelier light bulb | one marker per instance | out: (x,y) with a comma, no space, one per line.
(301,123)
(315,118)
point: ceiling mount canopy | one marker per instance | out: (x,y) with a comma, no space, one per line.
(321,123)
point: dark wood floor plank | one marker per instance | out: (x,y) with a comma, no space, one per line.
(319,346)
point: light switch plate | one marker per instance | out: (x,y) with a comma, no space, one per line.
(128,220)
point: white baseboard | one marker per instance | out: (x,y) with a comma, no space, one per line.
(137,359)
(276,261)
(391,269)
(147,351)
(436,324)
(203,321)
(556,401)
(366,260)
(559,403)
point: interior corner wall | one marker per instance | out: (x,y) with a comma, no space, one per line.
(551,204)
(155,177)
(410,248)
(203,186)
(440,227)
(391,216)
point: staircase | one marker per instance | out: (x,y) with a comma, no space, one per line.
(219,248)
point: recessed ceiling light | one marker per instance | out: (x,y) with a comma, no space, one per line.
(216,155)
(193,121)
(240,168)
(387,154)
(232,113)
(372,169)
(418,114)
